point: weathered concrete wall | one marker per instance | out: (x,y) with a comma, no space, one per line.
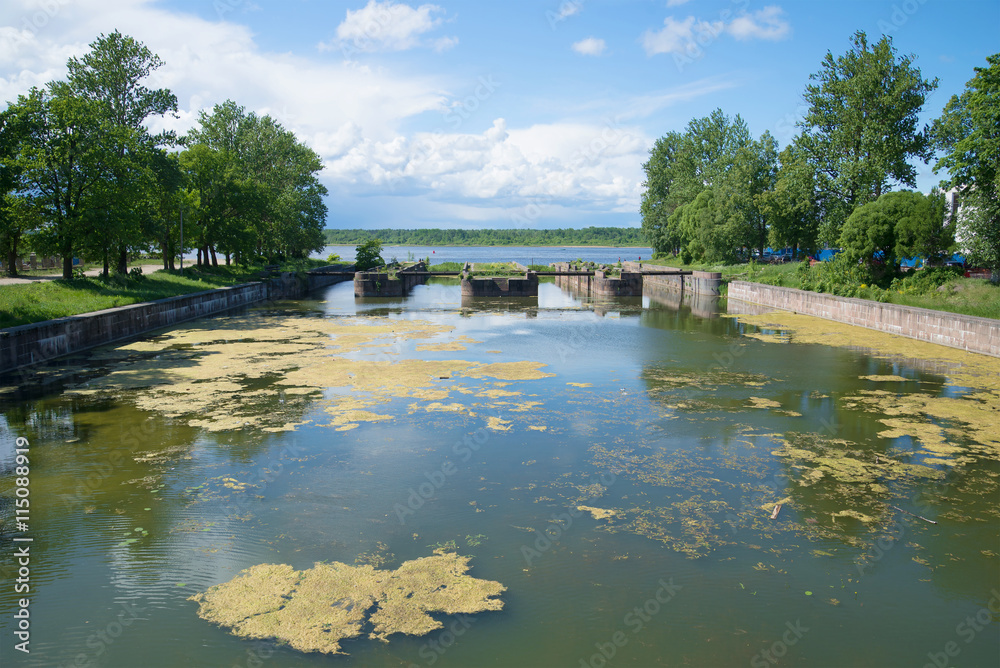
(629,285)
(703,306)
(501,287)
(40,342)
(706,283)
(980,335)
(43,341)
(374,284)
(380,284)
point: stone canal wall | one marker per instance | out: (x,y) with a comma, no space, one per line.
(979,335)
(526,286)
(706,283)
(42,341)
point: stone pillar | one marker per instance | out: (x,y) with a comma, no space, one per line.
(33,261)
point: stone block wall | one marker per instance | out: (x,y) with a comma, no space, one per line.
(980,335)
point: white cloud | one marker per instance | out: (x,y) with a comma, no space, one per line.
(679,36)
(689,35)
(767,23)
(569,8)
(388,26)
(590,46)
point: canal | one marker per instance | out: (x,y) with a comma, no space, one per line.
(651,482)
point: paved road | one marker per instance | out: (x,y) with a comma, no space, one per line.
(146,269)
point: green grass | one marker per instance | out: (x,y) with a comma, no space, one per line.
(44,300)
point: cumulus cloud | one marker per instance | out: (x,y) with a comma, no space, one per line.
(685,37)
(389,26)
(679,36)
(768,23)
(590,46)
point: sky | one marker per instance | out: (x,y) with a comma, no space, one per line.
(477,114)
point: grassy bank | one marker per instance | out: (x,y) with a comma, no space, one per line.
(44,300)
(954,294)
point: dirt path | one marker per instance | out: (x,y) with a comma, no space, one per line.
(147,268)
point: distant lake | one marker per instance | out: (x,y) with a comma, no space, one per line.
(522,254)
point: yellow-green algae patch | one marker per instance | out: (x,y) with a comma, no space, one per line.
(212,374)
(598,513)
(315,609)
(884,378)
(449,346)
(581,384)
(760,402)
(964,368)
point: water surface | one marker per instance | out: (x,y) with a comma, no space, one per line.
(677,431)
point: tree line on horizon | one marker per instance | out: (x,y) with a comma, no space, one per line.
(587,236)
(82,174)
(714,193)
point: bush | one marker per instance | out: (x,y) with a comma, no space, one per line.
(368,255)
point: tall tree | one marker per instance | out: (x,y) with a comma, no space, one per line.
(792,206)
(861,130)
(968,131)
(111,74)
(62,164)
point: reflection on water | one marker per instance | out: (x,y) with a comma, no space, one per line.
(615,464)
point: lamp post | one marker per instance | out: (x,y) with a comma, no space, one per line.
(182,241)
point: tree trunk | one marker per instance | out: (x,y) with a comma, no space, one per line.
(12,263)
(165,249)
(215,260)
(198,262)
(227,259)
(107,265)
(122,261)
(67,253)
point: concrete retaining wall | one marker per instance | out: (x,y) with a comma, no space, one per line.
(40,342)
(501,287)
(706,283)
(979,335)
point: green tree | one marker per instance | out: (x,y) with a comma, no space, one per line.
(62,166)
(111,75)
(861,130)
(267,181)
(368,254)
(792,207)
(895,226)
(968,131)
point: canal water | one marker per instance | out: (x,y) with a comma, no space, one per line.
(616,466)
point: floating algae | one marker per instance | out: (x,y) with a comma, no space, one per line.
(315,609)
(760,402)
(455,345)
(885,379)
(240,373)
(598,513)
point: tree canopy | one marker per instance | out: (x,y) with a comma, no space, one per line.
(82,174)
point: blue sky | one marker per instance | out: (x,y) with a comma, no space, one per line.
(495,114)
